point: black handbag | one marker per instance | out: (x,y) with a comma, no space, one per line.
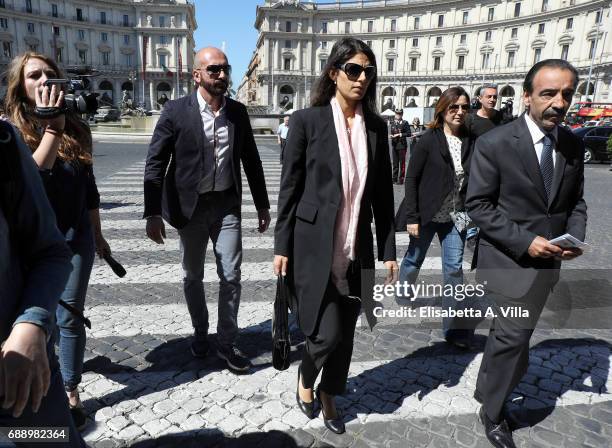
(281,340)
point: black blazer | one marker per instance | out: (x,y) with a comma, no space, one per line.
(174,162)
(308,201)
(507,200)
(402,128)
(430,177)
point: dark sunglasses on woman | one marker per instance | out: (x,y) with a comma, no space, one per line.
(215,69)
(353,71)
(455,107)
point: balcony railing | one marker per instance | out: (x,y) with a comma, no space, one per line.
(80,19)
(57,16)
(104,22)
(30,10)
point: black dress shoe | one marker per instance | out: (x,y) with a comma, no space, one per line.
(335,425)
(305,407)
(499,434)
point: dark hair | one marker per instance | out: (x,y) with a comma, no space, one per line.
(548,63)
(448,98)
(342,51)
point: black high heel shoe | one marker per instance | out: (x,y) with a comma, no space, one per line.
(335,425)
(305,407)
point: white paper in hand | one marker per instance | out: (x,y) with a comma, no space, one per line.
(568,241)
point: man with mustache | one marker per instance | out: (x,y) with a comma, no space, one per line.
(192,179)
(526,188)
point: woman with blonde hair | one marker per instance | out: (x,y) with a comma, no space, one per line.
(61,146)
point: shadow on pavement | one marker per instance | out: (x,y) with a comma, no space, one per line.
(213,438)
(170,363)
(581,365)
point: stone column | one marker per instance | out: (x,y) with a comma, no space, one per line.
(275,97)
(152,95)
(277,58)
(299,58)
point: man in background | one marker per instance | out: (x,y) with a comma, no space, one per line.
(400,131)
(478,123)
(283,130)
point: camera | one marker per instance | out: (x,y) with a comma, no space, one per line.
(83,103)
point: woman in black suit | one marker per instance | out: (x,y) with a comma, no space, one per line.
(336,178)
(436,183)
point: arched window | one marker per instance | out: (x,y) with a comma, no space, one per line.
(582,89)
(388,98)
(507,91)
(433,95)
(106,97)
(285,98)
(411,97)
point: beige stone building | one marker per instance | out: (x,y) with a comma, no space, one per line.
(423,46)
(114,37)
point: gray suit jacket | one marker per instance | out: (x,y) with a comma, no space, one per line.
(507,200)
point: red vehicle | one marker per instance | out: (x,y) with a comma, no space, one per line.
(584,111)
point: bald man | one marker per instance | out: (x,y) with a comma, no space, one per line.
(192,180)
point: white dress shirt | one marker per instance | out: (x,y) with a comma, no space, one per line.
(537,136)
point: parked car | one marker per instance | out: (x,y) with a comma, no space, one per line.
(590,123)
(107,114)
(595,142)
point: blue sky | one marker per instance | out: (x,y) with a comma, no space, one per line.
(229,21)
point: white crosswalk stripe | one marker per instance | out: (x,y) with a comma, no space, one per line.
(173,272)
(145,245)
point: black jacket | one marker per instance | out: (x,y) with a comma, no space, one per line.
(430,177)
(308,201)
(402,128)
(174,162)
(506,199)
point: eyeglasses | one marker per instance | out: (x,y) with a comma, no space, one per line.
(215,69)
(455,107)
(353,71)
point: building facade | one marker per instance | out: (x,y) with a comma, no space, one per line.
(144,48)
(423,46)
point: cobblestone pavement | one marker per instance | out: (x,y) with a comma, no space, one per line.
(406,387)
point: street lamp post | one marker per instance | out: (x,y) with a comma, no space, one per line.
(588,84)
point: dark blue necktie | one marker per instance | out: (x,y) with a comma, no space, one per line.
(547,167)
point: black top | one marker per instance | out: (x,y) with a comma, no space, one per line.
(72,191)
(478,125)
(430,177)
(403,128)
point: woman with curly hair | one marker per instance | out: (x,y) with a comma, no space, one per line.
(62,148)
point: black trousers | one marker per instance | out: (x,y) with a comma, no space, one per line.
(282,151)
(330,348)
(506,354)
(399,162)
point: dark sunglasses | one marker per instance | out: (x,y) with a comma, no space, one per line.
(215,69)
(353,71)
(455,107)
